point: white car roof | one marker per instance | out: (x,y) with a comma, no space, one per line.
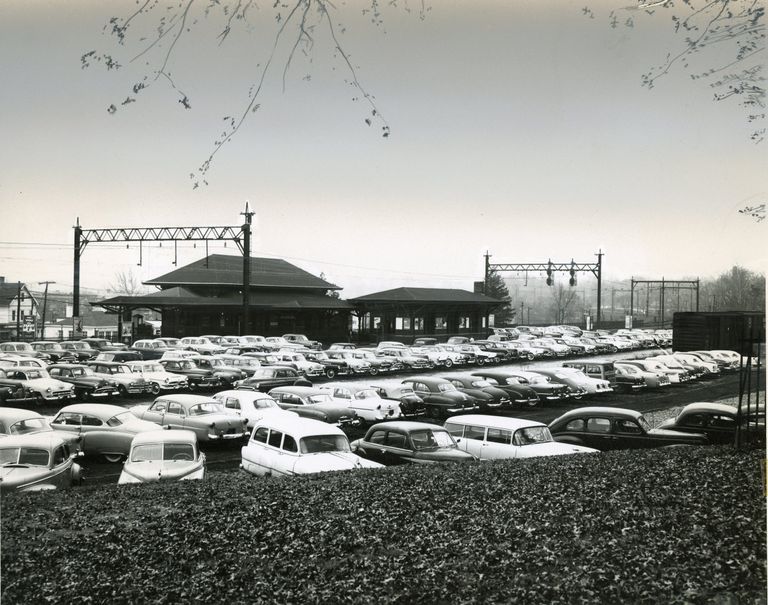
(102,410)
(298,427)
(165,436)
(243,395)
(45,440)
(496,422)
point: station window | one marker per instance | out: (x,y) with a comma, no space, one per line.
(418,323)
(440,323)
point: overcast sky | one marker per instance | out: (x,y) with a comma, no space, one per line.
(518,126)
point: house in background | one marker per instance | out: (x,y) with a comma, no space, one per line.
(18,311)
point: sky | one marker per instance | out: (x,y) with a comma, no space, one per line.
(519,128)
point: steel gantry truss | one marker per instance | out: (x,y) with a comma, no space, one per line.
(675,284)
(240,235)
(551,267)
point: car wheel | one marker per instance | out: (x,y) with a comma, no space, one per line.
(154,388)
(533,404)
(330,373)
(113,458)
(531,356)
(122,391)
(373,371)
(448,363)
(480,361)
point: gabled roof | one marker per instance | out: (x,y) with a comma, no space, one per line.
(424,295)
(227,270)
(9,291)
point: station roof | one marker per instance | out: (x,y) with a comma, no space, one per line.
(426,295)
(227,270)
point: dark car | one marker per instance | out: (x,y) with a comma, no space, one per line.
(226,374)
(102,344)
(403,442)
(11,391)
(265,358)
(621,383)
(54,350)
(119,356)
(519,394)
(81,350)
(503,354)
(331,367)
(488,396)
(87,384)
(541,385)
(309,402)
(606,428)
(198,378)
(717,421)
(266,378)
(424,341)
(441,397)
(411,405)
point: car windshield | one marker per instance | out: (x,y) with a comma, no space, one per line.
(532,435)
(321,356)
(323,443)
(209,407)
(481,384)
(320,398)
(152,367)
(121,418)
(431,439)
(444,387)
(643,423)
(82,372)
(24,455)
(178,452)
(187,365)
(263,373)
(30,425)
(367,394)
(119,370)
(264,404)
(33,374)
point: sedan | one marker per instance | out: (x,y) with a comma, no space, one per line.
(37,462)
(488,396)
(717,421)
(441,397)
(85,381)
(104,429)
(606,428)
(163,455)
(403,442)
(411,405)
(251,405)
(38,381)
(365,401)
(266,378)
(204,416)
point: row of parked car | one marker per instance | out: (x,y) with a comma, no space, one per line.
(38,455)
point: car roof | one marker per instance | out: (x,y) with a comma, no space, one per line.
(102,410)
(108,363)
(244,394)
(600,410)
(65,365)
(16,414)
(405,425)
(426,380)
(496,422)
(720,408)
(299,390)
(165,436)
(276,368)
(187,399)
(46,440)
(297,426)
(353,388)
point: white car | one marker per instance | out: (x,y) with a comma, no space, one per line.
(284,446)
(160,380)
(201,345)
(255,340)
(365,401)
(301,363)
(163,455)
(577,380)
(252,405)
(497,437)
(652,379)
(435,355)
(357,365)
(39,381)
(245,364)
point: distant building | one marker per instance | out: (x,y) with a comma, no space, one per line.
(18,311)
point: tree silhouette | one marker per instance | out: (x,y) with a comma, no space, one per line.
(496,288)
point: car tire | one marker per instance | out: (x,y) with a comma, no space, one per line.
(122,391)
(448,363)
(373,371)
(535,404)
(530,356)
(330,373)
(480,361)
(155,389)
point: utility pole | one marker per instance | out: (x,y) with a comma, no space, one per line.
(18,311)
(246,270)
(45,304)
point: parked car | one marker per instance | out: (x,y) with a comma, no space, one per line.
(200,344)
(14,391)
(477,355)
(264,358)
(605,370)
(37,462)
(675,375)
(282,446)
(424,341)
(104,429)
(606,428)
(40,383)
(163,455)
(87,384)
(441,397)
(579,383)
(520,395)
(542,385)
(150,349)
(489,397)
(226,375)
(301,339)
(717,421)
(197,378)
(102,344)
(495,437)
(14,421)
(81,350)
(725,364)
(118,356)
(23,349)
(158,377)
(406,359)
(13,361)
(245,364)
(403,442)
(251,405)
(411,405)
(204,416)
(266,378)
(128,383)
(379,364)
(357,364)
(301,363)
(54,351)
(256,341)
(316,404)
(170,342)
(654,380)
(365,401)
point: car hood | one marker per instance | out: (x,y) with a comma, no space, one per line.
(151,471)
(443,454)
(553,448)
(15,476)
(331,461)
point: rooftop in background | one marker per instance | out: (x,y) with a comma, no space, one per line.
(438,295)
(227,270)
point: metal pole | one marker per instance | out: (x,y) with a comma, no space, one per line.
(18,311)
(45,304)
(662,303)
(631,302)
(599,287)
(697,295)
(244,327)
(76,277)
(487,273)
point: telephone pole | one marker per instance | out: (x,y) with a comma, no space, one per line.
(45,304)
